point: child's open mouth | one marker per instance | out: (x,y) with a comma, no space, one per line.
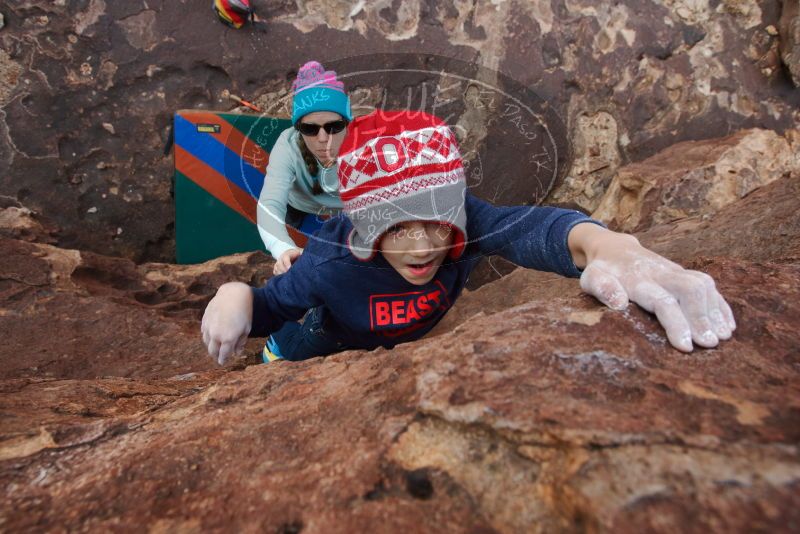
(420,269)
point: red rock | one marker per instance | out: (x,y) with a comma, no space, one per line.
(789,27)
(81,315)
(695,178)
(543,412)
(553,414)
(764,226)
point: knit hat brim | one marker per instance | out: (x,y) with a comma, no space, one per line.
(444,204)
(320,98)
(365,252)
(359,247)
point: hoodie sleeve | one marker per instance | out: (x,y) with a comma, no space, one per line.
(271,209)
(529,236)
(286,297)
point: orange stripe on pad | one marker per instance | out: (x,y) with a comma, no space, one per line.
(216,184)
(231,137)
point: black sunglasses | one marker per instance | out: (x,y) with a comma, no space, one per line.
(329,127)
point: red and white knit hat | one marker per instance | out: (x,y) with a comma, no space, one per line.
(400,166)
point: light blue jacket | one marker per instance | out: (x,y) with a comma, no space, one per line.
(288,182)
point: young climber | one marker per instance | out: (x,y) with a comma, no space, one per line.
(389,271)
(301,181)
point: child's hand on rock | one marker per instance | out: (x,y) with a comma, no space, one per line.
(618,269)
(227,321)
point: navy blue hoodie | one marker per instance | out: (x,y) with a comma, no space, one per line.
(368,304)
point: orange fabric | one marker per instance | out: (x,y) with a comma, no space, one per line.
(216,184)
(300,239)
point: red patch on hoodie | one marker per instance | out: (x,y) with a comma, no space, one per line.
(400,313)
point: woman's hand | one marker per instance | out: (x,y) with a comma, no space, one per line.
(227,321)
(618,269)
(284,263)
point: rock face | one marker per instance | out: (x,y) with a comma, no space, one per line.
(88,88)
(790,39)
(696,178)
(764,226)
(531,408)
(596,158)
(553,415)
(106,316)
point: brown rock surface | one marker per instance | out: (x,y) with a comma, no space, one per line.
(597,157)
(695,178)
(789,28)
(71,314)
(543,412)
(88,87)
(19,222)
(764,226)
(554,415)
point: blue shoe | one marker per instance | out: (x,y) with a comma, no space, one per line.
(271,352)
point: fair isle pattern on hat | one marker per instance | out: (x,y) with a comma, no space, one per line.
(400,166)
